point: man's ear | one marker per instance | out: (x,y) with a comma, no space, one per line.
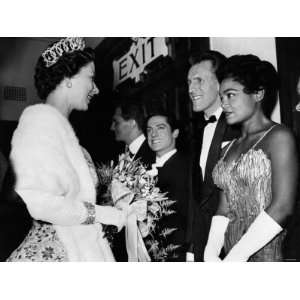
(259,95)
(132,123)
(175,133)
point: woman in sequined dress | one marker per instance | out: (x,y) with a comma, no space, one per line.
(257,173)
(55,175)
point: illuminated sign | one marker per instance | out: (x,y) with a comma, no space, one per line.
(142,52)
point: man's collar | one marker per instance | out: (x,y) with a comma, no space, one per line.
(217,114)
(160,161)
(136,144)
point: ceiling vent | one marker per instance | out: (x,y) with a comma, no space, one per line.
(14,93)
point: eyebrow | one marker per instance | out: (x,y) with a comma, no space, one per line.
(159,124)
(195,76)
(230,89)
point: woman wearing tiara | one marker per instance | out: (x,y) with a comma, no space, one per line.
(55,175)
(257,173)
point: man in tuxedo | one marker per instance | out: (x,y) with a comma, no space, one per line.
(174,178)
(128,124)
(15,220)
(210,135)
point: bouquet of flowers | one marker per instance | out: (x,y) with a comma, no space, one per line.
(129,182)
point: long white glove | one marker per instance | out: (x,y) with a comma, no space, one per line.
(215,238)
(260,232)
(189,257)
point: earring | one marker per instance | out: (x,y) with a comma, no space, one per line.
(69,84)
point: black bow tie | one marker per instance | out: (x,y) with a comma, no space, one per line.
(212,119)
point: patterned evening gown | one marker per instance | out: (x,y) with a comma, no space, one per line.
(247,185)
(42,242)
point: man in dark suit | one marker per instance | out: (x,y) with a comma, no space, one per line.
(15,220)
(210,135)
(174,178)
(127,123)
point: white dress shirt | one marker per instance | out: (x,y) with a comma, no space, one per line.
(136,144)
(160,161)
(208,135)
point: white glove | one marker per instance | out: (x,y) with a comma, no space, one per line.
(121,195)
(111,216)
(215,238)
(189,257)
(260,233)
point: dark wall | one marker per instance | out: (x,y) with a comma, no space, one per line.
(6,131)
(288,60)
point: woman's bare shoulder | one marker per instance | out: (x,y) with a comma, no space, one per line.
(280,139)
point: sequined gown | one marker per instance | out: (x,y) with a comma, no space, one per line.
(247,185)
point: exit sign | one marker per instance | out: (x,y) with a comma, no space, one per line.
(142,52)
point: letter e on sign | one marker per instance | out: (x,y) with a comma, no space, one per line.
(141,53)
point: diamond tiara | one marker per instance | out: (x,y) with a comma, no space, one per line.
(67,45)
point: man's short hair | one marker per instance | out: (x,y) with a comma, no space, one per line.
(132,109)
(216,58)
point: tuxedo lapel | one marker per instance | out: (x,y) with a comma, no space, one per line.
(199,125)
(167,169)
(198,128)
(215,148)
(146,155)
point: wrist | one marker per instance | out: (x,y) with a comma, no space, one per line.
(90,213)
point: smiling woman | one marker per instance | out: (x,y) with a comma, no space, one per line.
(55,175)
(65,79)
(82,88)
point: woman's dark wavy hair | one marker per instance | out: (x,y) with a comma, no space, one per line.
(255,75)
(68,65)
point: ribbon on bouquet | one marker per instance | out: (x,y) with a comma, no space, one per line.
(136,211)
(135,246)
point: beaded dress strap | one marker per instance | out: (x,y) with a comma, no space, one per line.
(260,139)
(228,148)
